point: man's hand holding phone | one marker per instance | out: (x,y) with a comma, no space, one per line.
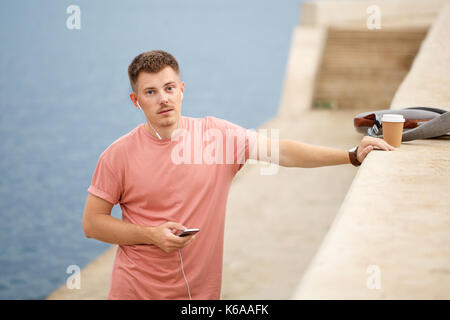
(166,236)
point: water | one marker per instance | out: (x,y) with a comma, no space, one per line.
(64,99)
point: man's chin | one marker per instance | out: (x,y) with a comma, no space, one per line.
(168,122)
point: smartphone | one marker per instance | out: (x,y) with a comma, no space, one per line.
(188,232)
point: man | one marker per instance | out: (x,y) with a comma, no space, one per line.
(163,185)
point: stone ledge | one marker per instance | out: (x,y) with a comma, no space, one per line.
(395,216)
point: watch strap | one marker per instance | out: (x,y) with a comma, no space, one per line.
(352,154)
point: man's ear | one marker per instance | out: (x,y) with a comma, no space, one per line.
(133,98)
(182,89)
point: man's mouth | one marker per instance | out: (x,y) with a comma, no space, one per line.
(166,111)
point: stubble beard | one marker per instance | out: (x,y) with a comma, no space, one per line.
(168,122)
(171,121)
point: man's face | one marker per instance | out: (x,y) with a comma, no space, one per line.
(160,95)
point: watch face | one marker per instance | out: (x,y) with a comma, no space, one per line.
(353,149)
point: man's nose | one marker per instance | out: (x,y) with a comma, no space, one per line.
(164,99)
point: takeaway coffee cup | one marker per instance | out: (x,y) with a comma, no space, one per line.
(393,128)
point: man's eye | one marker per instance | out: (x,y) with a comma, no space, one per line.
(170,88)
(149,91)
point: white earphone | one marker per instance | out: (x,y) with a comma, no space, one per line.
(157,134)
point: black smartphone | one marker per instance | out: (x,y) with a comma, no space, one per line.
(188,232)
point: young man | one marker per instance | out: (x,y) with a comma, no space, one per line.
(175,172)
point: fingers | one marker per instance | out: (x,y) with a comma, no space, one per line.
(376,143)
(174,225)
(166,238)
(384,145)
(174,242)
(188,240)
(370,143)
(179,243)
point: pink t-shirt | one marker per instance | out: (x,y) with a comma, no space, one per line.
(156,181)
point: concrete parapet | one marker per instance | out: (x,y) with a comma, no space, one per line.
(390,238)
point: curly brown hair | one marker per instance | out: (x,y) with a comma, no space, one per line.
(152,62)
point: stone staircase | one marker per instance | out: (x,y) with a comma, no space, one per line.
(362,69)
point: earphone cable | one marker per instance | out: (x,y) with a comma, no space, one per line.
(184,275)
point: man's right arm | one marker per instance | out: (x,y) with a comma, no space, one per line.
(99,224)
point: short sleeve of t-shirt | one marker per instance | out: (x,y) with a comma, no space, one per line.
(105,182)
(243,139)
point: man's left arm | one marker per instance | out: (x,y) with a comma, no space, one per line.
(297,154)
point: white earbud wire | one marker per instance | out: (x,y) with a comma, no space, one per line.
(184,275)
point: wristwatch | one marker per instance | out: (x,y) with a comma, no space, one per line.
(352,154)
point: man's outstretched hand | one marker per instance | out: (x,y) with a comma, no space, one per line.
(368,143)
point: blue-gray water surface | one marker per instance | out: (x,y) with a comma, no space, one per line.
(64,99)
